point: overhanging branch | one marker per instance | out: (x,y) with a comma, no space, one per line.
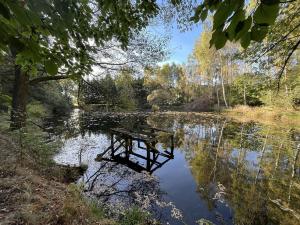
(47,78)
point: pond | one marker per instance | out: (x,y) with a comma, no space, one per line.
(220,171)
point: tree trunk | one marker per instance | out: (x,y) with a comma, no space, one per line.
(223,90)
(217,151)
(79,92)
(19,101)
(245,100)
(285,84)
(218,99)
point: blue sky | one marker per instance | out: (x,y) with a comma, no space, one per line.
(181,44)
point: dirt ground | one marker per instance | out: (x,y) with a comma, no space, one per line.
(24,195)
(29,197)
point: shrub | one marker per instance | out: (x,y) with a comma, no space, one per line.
(134,216)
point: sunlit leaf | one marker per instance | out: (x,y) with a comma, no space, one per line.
(222,13)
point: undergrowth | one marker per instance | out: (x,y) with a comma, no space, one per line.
(34,190)
(265,115)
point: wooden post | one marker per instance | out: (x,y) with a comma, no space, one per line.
(148,157)
(127,147)
(172,145)
(112,144)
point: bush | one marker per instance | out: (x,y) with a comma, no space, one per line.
(134,216)
(36,109)
(52,96)
(155,108)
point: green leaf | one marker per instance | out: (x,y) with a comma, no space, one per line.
(266,14)
(222,13)
(4,11)
(5,98)
(245,40)
(243,27)
(203,15)
(20,14)
(198,12)
(218,39)
(175,2)
(238,17)
(34,18)
(51,67)
(258,32)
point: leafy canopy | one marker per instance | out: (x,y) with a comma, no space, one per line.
(62,34)
(232,21)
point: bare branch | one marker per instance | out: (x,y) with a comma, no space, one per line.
(286,61)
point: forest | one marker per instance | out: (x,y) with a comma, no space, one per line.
(75,72)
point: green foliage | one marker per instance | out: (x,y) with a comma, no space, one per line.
(35,110)
(231,22)
(59,34)
(51,67)
(124,83)
(248,89)
(99,91)
(54,96)
(280,45)
(5,101)
(167,85)
(134,216)
(79,210)
(124,92)
(256,90)
(34,149)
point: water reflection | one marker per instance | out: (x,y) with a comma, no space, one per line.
(222,171)
(131,147)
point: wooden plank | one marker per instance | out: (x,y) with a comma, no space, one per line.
(135,136)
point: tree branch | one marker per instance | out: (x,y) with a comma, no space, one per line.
(287,60)
(47,78)
(280,40)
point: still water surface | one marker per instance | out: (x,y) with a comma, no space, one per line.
(222,171)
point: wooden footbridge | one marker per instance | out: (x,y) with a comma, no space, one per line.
(145,140)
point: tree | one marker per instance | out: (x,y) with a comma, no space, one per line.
(247,89)
(215,67)
(124,84)
(165,83)
(57,37)
(278,50)
(99,91)
(233,22)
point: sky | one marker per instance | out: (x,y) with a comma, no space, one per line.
(181,44)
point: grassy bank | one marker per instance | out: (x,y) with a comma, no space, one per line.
(34,190)
(265,115)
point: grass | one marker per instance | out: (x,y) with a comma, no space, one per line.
(34,190)
(134,216)
(265,115)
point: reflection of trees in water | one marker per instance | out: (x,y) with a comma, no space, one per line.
(257,167)
(261,190)
(120,187)
(254,168)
